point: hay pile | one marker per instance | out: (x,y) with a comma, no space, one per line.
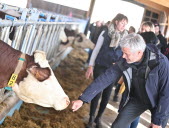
(71,76)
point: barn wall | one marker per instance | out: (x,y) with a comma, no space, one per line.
(18,3)
(60,9)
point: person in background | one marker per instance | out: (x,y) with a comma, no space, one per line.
(147,26)
(145,71)
(150,37)
(105,53)
(131,30)
(163,40)
(94,29)
(103,27)
(166,53)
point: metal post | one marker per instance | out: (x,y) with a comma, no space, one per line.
(6,37)
(26,38)
(18,37)
(55,41)
(51,41)
(29,44)
(42,40)
(37,39)
(47,39)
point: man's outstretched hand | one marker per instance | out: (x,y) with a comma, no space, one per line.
(154,126)
(76,105)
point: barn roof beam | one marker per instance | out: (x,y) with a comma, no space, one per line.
(156,4)
(161,2)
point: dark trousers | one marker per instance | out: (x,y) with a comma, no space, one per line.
(98,70)
(130,112)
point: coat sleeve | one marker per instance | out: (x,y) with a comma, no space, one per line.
(110,76)
(96,49)
(161,111)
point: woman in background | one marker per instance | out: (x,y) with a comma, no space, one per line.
(105,53)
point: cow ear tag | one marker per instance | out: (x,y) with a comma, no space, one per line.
(12,80)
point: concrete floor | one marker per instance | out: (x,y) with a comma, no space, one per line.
(111,113)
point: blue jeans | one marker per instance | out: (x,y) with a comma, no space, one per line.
(135,123)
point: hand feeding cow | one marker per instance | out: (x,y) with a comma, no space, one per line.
(36,82)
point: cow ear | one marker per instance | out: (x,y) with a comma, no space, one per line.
(39,56)
(40,74)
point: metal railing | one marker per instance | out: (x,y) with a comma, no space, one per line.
(29,33)
(29,36)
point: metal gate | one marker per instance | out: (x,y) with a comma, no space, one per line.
(28,36)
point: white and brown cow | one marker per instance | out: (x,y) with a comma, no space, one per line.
(68,35)
(36,82)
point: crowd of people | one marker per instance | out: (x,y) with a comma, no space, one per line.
(137,59)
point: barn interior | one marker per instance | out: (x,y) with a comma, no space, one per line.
(39,24)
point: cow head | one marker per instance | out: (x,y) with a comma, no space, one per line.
(41,86)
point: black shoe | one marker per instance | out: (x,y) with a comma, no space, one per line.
(91,121)
(98,122)
(89,125)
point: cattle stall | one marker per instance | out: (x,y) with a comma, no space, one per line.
(28,36)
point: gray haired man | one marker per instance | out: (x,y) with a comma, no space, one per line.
(145,73)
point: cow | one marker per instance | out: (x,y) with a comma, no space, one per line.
(68,35)
(36,82)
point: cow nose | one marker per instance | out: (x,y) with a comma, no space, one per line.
(67,101)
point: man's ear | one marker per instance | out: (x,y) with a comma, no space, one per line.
(39,73)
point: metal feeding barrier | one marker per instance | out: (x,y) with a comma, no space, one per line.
(28,34)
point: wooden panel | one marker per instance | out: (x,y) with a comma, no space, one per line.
(154,5)
(161,2)
(60,9)
(161,5)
